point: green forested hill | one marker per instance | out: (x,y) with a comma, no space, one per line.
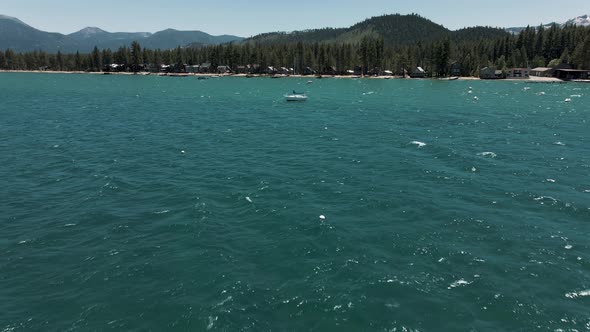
(478,33)
(395,30)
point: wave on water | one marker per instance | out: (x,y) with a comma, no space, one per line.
(460,283)
(546,199)
(575,295)
(418,143)
(487,154)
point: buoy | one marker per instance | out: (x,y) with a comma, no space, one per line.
(322,217)
(182,152)
(568,100)
(475,98)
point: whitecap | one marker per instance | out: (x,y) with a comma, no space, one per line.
(569,247)
(550,180)
(460,283)
(487,154)
(249,199)
(162,212)
(69,225)
(418,143)
(574,295)
(576,96)
(559,143)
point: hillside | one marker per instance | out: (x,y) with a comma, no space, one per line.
(396,30)
(17,35)
(20,37)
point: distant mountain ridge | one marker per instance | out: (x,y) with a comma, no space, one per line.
(21,37)
(394,29)
(583,20)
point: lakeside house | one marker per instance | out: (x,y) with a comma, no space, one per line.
(205,68)
(309,71)
(490,73)
(113,67)
(542,72)
(192,69)
(572,74)
(517,73)
(223,70)
(285,71)
(418,72)
(330,70)
(253,68)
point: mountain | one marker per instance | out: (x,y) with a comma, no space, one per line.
(85,39)
(394,29)
(17,35)
(20,37)
(171,38)
(583,20)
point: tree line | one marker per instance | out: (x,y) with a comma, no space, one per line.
(533,47)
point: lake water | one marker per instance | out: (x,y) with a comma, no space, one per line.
(176,204)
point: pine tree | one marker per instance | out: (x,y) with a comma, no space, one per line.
(96,61)
(136,56)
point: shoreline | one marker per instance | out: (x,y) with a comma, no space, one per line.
(532,79)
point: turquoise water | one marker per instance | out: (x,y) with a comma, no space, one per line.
(177,204)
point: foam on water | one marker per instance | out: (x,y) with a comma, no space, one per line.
(575,295)
(460,283)
(418,143)
(487,154)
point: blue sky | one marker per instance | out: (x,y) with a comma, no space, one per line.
(247,18)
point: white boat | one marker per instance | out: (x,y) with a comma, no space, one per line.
(296,96)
